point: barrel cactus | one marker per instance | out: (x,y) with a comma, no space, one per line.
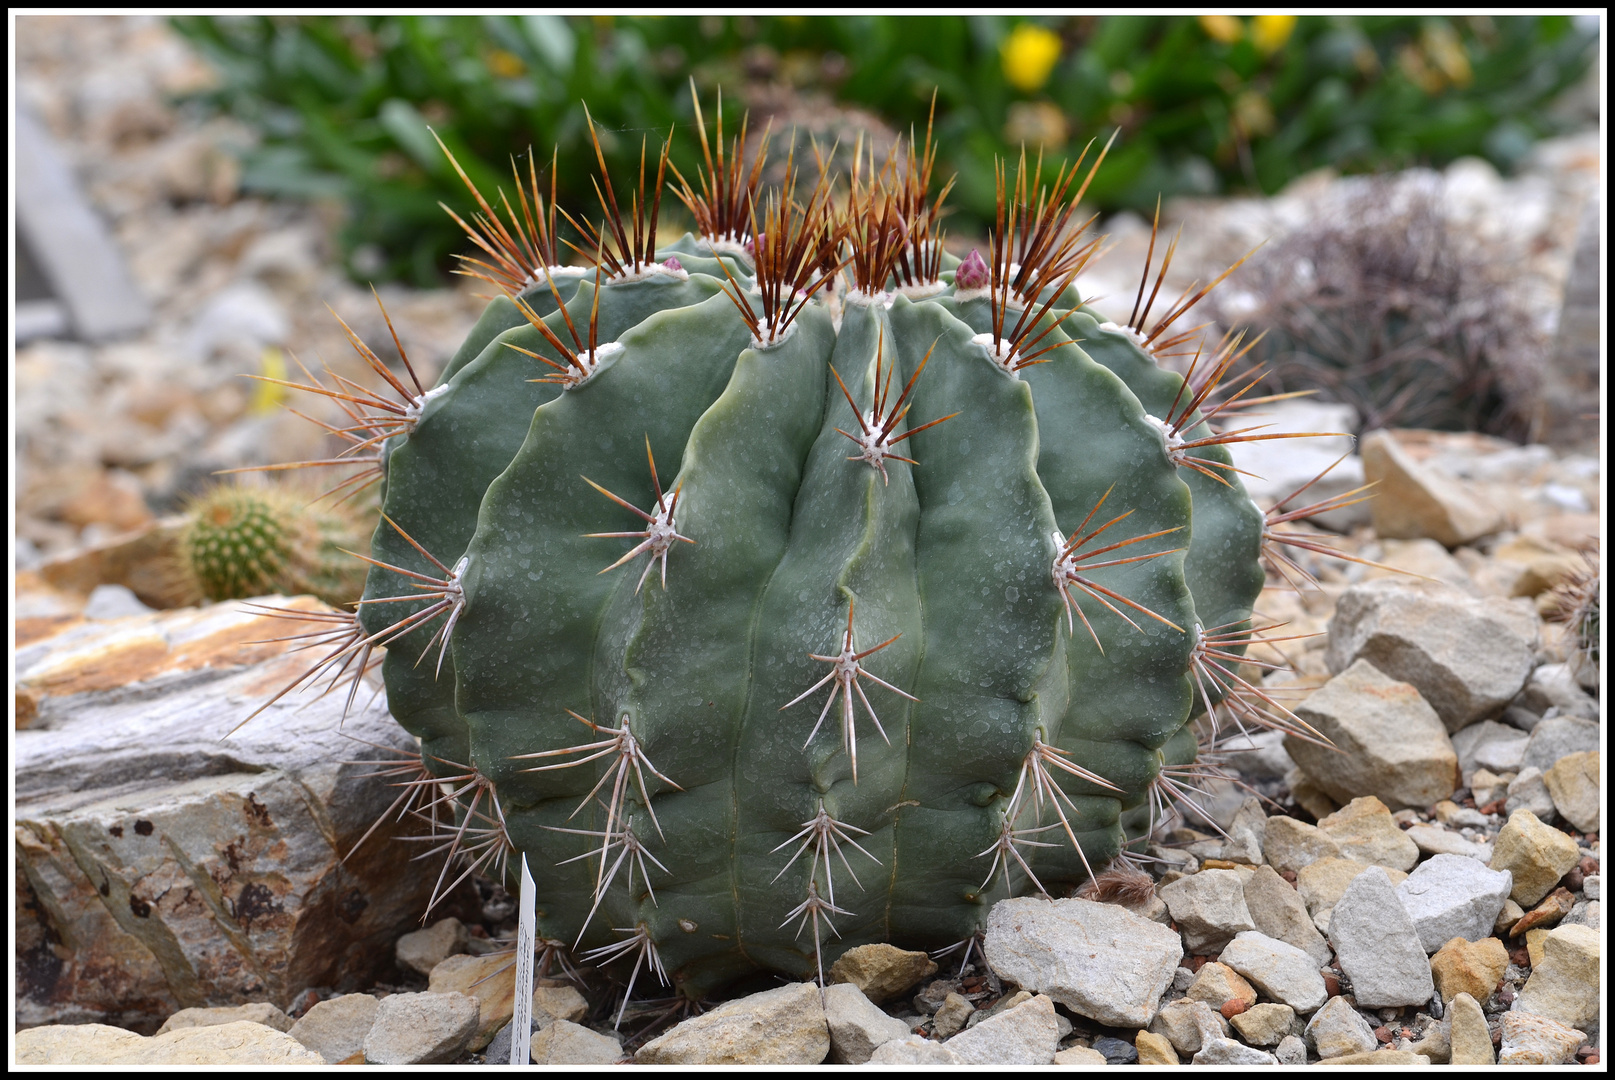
(795,585)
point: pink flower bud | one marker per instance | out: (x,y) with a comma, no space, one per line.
(972,273)
(672,263)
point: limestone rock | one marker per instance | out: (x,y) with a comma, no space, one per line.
(1471,1039)
(1209,908)
(1378,949)
(1557,737)
(1564,986)
(1537,1040)
(1537,855)
(1265,1024)
(1282,972)
(336,1028)
(490,979)
(566,1043)
(1412,501)
(1338,1029)
(1231,1052)
(1278,911)
(1367,833)
(421,1029)
(254,1012)
(1490,745)
(1152,1049)
(1468,967)
(881,971)
(1511,914)
(1452,896)
(1290,844)
(132,807)
(1217,984)
(1394,1059)
(423,950)
(1187,1025)
(560,1002)
(240,1042)
(913,1050)
(1024,1035)
(1291,1050)
(1323,883)
(1089,1057)
(1434,840)
(949,1019)
(1554,686)
(1461,653)
(785,1026)
(1098,960)
(1574,784)
(857,1026)
(1388,741)
(1528,791)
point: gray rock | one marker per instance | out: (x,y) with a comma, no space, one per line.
(1377,946)
(1462,654)
(1517,716)
(336,1028)
(1554,686)
(1558,737)
(1490,745)
(1282,972)
(497,1051)
(1115,1051)
(1389,742)
(1188,1025)
(1434,840)
(423,950)
(913,1050)
(1450,896)
(1099,960)
(1232,1052)
(1592,887)
(1528,791)
(858,1026)
(131,806)
(1338,1029)
(784,1026)
(254,1012)
(1278,911)
(1245,833)
(954,1014)
(1024,1035)
(421,1029)
(1291,1051)
(1290,844)
(1209,908)
(566,1043)
(1278,469)
(1537,1040)
(1182,979)
(114,602)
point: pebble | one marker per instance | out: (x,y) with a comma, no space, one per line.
(1384,1058)
(1266,1024)
(1490,745)
(256,1012)
(421,1029)
(784,1026)
(858,1026)
(566,1043)
(1089,1057)
(1338,1029)
(240,1042)
(1537,856)
(1377,946)
(1186,1025)
(1554,686)
(1291,1050)
(1388,741)
(951,1018)
(336,1028)
(1537,1040)
(1289,844)
(1231,1052)
(1574,785)
(1461,653)
(1116,1051)
(1278,911)
(1586,913)
(1098,960)
(1217,984)
(1564,986)
(1557,737)
(1280,971)
(913,1050)
(1468,967)
(1450,896)
(1153,1049)
(1470,1037)
(1209,908)
(1024,1035)
(423,950)
(1366,832)
(1434,840)
(882,971)
(1553,908)
(1528,791)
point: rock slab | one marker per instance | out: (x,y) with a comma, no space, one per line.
(858,1027)
(239,1042)
(336,1028)
(785,1026)
(1282,972)
(1378,948)
(421,1029)
(1024,1035)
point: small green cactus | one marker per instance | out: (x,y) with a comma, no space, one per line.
(241,541)
(794,585)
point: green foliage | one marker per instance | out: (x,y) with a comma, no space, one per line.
(344,104)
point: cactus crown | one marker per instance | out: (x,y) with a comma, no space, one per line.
(744,694)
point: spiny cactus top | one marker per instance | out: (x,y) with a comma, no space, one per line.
(793,585)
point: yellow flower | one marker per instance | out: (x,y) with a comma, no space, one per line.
(1269,32)
(1223,28)
(506,65)
(1446,52)
(1029,55)
(268,395)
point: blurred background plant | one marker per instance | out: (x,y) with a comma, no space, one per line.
(1207,105)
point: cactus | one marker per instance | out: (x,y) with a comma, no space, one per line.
(794,585)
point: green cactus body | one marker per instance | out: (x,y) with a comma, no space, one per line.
(242,541)
(746,685)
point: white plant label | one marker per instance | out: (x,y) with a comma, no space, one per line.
(521,1021)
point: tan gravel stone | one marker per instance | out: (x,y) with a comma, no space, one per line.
(1574,783)
(1471,1039)
(1468,967)
(255,1012)
(882,971)
(1537,855)
(1217,983)
(1564,985)
(1537,1040)
(239,1042)
(490,979)
(1413,501)
(1289,844)
(1366,832)
(1088,1057)
(784,1026)
(1152,1049)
